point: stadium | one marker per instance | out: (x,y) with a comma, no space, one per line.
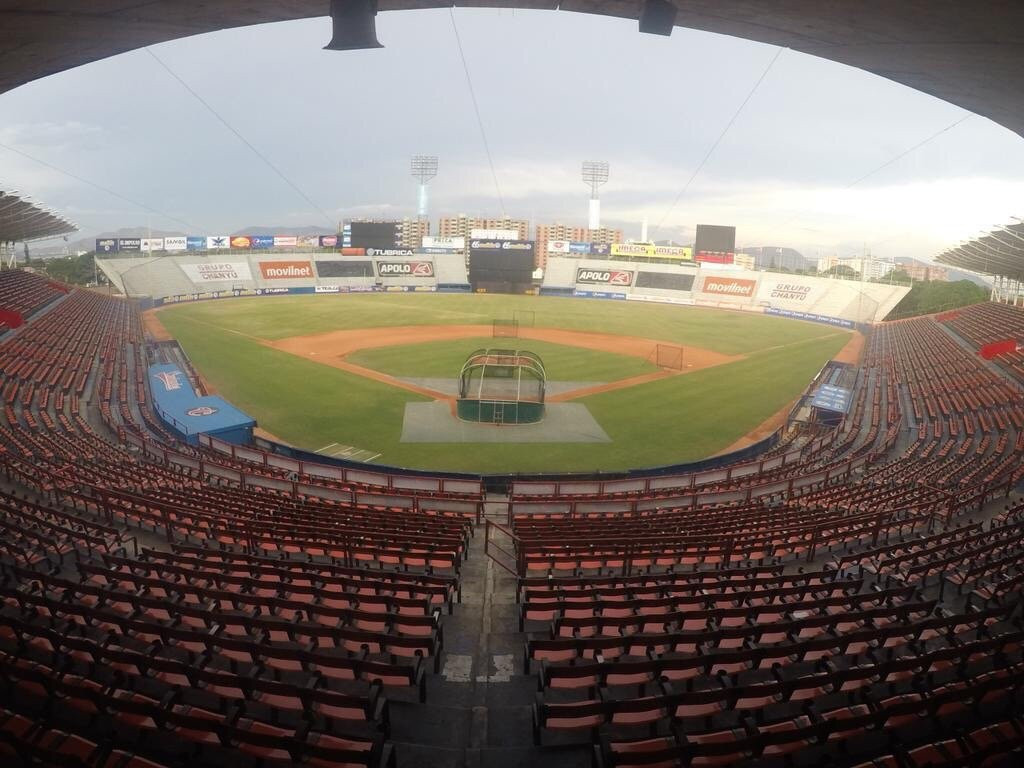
(376,498)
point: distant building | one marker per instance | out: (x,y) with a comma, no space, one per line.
(413,232)
(745,261)
(867,267)
(461,225)
(777,257)
(920,271)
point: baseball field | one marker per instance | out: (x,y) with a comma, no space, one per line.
(362,375)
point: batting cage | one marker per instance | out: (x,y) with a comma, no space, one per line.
(505,329)
(502,386)
(667,356)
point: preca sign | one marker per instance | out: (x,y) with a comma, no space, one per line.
(405,268)
(729,286)
(286,270)
(604,276)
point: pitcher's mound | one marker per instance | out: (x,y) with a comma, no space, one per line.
(563,423)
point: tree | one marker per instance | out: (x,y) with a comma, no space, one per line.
(77,270)
(928,297)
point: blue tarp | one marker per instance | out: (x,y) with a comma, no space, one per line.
(832,398)
(190,415)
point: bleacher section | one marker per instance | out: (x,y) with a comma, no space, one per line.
(22,294)
(848,598)
(990,323)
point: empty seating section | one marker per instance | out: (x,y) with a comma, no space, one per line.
(989,323)
(836,601)
(22,294)
(668,631)
(271,625)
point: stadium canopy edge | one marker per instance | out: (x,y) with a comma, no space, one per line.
(968,54)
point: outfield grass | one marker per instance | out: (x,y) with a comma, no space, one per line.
(280,317)
(673,420)
(444,359)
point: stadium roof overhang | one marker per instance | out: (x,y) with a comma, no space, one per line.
(999,253)
(22,220)
(968,53)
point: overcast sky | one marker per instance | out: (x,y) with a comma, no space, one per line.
(554,89)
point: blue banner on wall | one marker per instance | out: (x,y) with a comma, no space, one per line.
(836,321)
(196,243)
(129,244)
(262,241)
(582,248)
(106,245)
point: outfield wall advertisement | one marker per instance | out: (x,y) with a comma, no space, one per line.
(215,272)
(286,270)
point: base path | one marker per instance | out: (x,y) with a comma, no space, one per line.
(333,347)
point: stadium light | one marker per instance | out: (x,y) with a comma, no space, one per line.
(423,168)
(354,25)
(595,173)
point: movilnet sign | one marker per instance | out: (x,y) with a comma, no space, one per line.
(212,272)
(729,286)
(286,270)
(623,277)
(405,268)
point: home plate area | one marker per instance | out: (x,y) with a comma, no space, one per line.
(435,422)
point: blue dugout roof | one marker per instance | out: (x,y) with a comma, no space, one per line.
(178,403)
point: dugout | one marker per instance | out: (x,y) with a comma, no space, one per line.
(502,386)
(189,415)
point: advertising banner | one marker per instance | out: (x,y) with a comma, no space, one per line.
(262,241)
(493,234)
(129,244)
(217,271)
(580,248)
(286,270)
(449,243)
(195,243)
(285,241)
(353,251)
(150,244)
(839,322)
(558,246)
(734,287)
(405,268)
(378,252)
(621,277)
(632,249)
(175,243)
(795,291)
(216,242)
(327,289)
(347,268)
(241,241)
(328,241)
(673,252)
(598,295)
(600,249)
(714,257)
(106,245)
(307,241)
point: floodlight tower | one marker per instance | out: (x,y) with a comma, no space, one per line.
(424,168)
(595,173)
